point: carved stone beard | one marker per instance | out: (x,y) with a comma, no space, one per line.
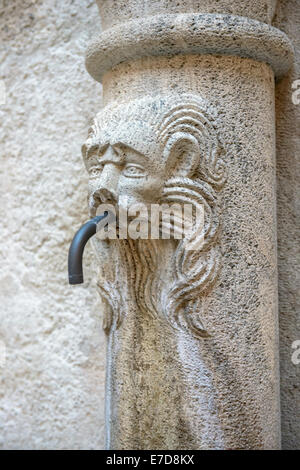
(144,265)
(161,278)
(130,280)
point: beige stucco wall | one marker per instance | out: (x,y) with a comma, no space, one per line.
(52,382)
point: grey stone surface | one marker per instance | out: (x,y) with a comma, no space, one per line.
(232,376)
(168,389)
(52,383)
(189,33)
(118,11)
(288,216)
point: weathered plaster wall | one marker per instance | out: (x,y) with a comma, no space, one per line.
(288,212)
(52,384)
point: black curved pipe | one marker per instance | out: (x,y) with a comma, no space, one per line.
(77,247)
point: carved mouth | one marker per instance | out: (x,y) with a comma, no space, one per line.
(100,201)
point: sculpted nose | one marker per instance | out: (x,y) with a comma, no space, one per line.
(107,184)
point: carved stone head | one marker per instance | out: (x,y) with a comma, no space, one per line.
(134,149)
(150,151)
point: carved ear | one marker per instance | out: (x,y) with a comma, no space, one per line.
(181,155)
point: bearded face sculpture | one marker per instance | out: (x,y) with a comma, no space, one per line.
(157,151)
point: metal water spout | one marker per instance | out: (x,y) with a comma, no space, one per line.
(77,246)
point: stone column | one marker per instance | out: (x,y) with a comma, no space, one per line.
(188,101)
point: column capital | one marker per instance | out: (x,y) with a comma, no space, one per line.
(119,11)
(189,33)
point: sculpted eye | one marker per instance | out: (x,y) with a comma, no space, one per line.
(134,171)
(95,171)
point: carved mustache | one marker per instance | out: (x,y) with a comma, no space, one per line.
(101,197)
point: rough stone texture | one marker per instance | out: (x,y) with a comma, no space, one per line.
(168,389)
(288,215)
(118,11)
(152,157)
(189,34)
(51,387)
(52,384)
(226,393)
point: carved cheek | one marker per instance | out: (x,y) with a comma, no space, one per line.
(146,189)
(93,185)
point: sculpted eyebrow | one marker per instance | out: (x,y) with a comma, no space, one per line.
(102,148)
(134,154)
(96,148)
